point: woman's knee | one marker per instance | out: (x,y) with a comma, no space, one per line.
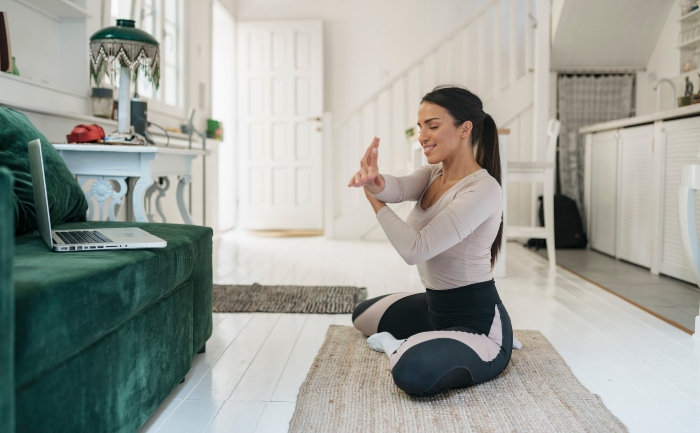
(364,305)
(432,366)
(365,325)
(401,314)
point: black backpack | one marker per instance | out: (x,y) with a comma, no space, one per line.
(568,226)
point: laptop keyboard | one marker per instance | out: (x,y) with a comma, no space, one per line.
(83,237)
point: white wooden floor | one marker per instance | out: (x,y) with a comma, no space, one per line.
(646,371)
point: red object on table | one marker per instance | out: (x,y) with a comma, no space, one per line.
(86,134)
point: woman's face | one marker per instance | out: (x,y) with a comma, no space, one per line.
(439,136)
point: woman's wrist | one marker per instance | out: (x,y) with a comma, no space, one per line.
(375,202)
(376,189)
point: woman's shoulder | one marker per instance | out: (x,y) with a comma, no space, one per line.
(482,183)
(480,179)
(431,170)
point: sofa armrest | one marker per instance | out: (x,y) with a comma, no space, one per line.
(7,303)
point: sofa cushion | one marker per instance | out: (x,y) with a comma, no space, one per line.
(67,301)
(114,385)
(66,199)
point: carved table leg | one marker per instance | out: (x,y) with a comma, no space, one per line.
(139,192)
(101,190)
(161,193)
(148,202)
(161,186)
(183,181)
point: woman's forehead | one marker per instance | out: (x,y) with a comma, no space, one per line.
(428,111)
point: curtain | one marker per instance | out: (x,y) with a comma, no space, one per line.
(584,100)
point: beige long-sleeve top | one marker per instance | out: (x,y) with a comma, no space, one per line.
(450,242)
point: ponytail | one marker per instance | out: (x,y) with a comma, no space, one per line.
(464,106)
(489,157)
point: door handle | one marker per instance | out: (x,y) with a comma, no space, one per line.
(316,119)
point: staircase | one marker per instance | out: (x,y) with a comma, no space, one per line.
(492,55)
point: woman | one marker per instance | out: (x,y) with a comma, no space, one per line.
(458,332)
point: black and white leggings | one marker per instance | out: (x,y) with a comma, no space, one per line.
(455,338)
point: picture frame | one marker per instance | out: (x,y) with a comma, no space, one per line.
(5,47)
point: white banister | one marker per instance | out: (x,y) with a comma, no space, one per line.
(469,78)
(528,24)
(479,56)
(497,72)
(541,96)
(418,62)
(513,45)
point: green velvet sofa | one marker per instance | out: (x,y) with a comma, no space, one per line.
(95,341)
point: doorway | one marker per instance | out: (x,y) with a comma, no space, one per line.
(280,109)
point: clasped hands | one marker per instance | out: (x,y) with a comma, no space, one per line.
(368,176)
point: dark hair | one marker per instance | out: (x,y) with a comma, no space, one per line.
(463,105)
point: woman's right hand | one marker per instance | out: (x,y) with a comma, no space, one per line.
(368,176)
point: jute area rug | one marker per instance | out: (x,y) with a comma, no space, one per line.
(350,389)
(286,299)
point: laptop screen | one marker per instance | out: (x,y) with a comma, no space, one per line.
(41,200)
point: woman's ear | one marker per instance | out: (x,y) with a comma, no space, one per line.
(466,129)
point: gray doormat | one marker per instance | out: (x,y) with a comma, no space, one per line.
(350,389)
(286,299)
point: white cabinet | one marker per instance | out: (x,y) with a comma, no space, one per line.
(621,193)
(633,175)
(603,213)
(680,146)
(634,205)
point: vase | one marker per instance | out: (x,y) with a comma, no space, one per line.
(15,71)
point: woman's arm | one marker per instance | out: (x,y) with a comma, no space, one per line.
(405,188)
(376,203)
(470,208)
(389,189)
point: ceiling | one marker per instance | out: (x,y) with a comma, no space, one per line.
(607,33)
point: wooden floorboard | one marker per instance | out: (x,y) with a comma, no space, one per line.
(645,370)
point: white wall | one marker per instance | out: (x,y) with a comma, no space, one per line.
(366,41)
(60,60)
(53,56)
(665,62)
(224,110)
(604,33)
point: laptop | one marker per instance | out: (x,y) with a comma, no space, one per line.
(80,240)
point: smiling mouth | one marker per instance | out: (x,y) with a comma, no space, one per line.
(427,149)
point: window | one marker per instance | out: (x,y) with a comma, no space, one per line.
(164,19)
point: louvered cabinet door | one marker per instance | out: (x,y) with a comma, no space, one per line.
(634,204)
(603,191)
(681,145)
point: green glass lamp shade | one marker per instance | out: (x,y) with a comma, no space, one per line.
(124,45)
(125,30)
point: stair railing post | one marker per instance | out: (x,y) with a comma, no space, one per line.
(542,42)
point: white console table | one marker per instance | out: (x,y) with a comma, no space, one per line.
(102,163)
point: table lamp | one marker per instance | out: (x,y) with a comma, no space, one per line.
(128,49)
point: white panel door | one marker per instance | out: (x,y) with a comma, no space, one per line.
(634,203)
(603,191)
(681,147)
(280,88)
